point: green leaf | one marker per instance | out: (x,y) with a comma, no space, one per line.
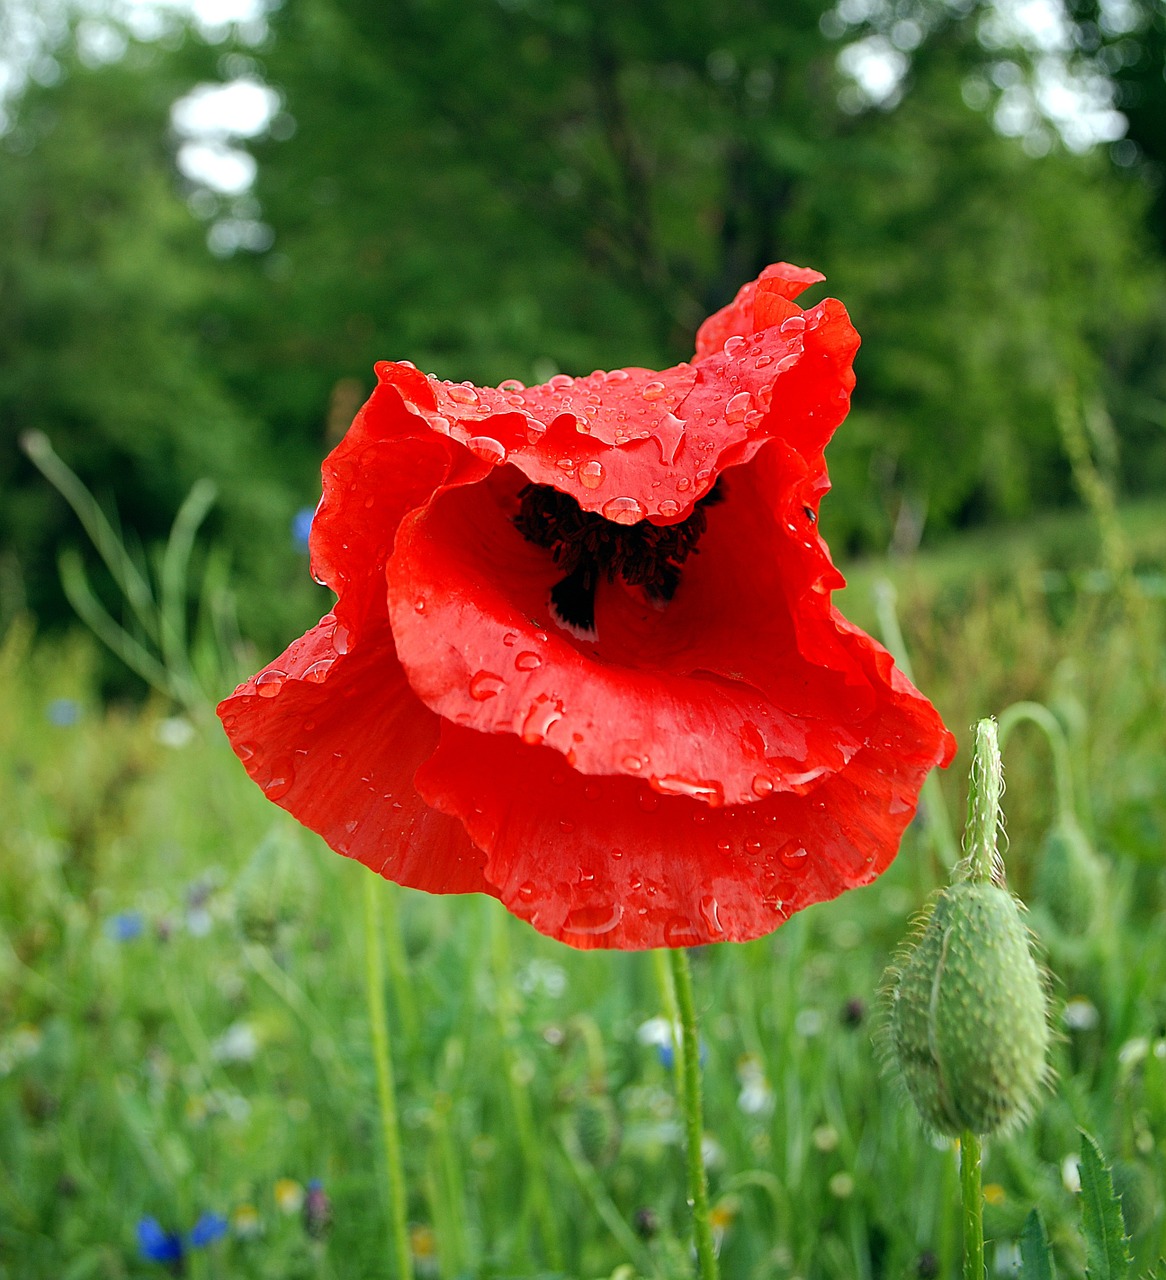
(1106,1254)
(1036,1258)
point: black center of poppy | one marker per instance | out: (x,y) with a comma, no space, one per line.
(586,546)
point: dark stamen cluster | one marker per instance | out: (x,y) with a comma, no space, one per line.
(586,546)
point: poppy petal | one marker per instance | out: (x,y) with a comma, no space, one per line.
(607,862)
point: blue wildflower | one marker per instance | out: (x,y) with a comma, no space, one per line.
(156,1244)
(317,1210)
(301,527)
(662,1034)
(209,1228)
(63,712)
(125,926)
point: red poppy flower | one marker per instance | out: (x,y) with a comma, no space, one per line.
(583,655)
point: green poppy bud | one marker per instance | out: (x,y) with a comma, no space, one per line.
(1070,878)
(968,1013)
(597,1128)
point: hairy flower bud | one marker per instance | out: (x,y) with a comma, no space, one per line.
(1070,878)
(968,1018)
(968,1025)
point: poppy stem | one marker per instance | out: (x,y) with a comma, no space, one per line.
(386,1094)
(698,1192)
(973,1205)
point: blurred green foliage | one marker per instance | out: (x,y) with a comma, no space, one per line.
(501,189)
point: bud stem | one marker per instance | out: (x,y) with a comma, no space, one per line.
(973,1205)
(981,863)
(698,1192)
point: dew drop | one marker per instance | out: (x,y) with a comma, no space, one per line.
(526,890)
(511,384)
(419,604)
(679,932)
(669,508)
(527,661)
(542,715)
(281,778)
(269,683)
(684,484)
(793,854)
(795,324)
(712,793)
(734,344)
(762,786)
(593,919)
(318,670)
(787,362)
(653,390)
(591,474)
(340,639)
(709,913)
(561,381)
(488,449)
(623,511)
(617,375)
(633,764)
(510,639)
(485,684)
(762,361)
(738,407)
(462,394)
(566,464)
(246,750)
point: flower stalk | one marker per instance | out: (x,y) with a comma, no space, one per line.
(386,1094)
(972,1198)
(698,1193)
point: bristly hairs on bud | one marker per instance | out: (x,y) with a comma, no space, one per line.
(966,1028)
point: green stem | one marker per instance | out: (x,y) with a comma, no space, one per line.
(973,1205)
(1038,714)
(698,1192)
(935,814)
(382,1056)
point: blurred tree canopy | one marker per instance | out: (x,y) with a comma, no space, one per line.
(508,188)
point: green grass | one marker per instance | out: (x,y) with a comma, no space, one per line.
(120,1097)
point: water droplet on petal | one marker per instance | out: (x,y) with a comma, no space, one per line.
(762,786)
(281,778)
(793,325)
(709,908)
(485,684)
(793,854)
(488,449)
(712,793)
(269,683)
(566,464)
(461,394)
(762,361)
(734,344)
(679,932)
(633,764)
(738,407)
(653,390)
(623,511)
(787,362)
(527,661)
(669,508)
(591,474)
(526,890)
(593,919)
(246,750)
(684,484)
(318,670)
(543,713)
(511,384)
(340,639)
(617,375)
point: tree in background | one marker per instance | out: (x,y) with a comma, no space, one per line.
(512,187)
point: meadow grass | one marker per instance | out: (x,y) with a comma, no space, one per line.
(183,1025)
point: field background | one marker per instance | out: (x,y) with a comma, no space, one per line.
(212,222)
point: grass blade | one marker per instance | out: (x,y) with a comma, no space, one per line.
(1036,1259)
(1106,1254)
